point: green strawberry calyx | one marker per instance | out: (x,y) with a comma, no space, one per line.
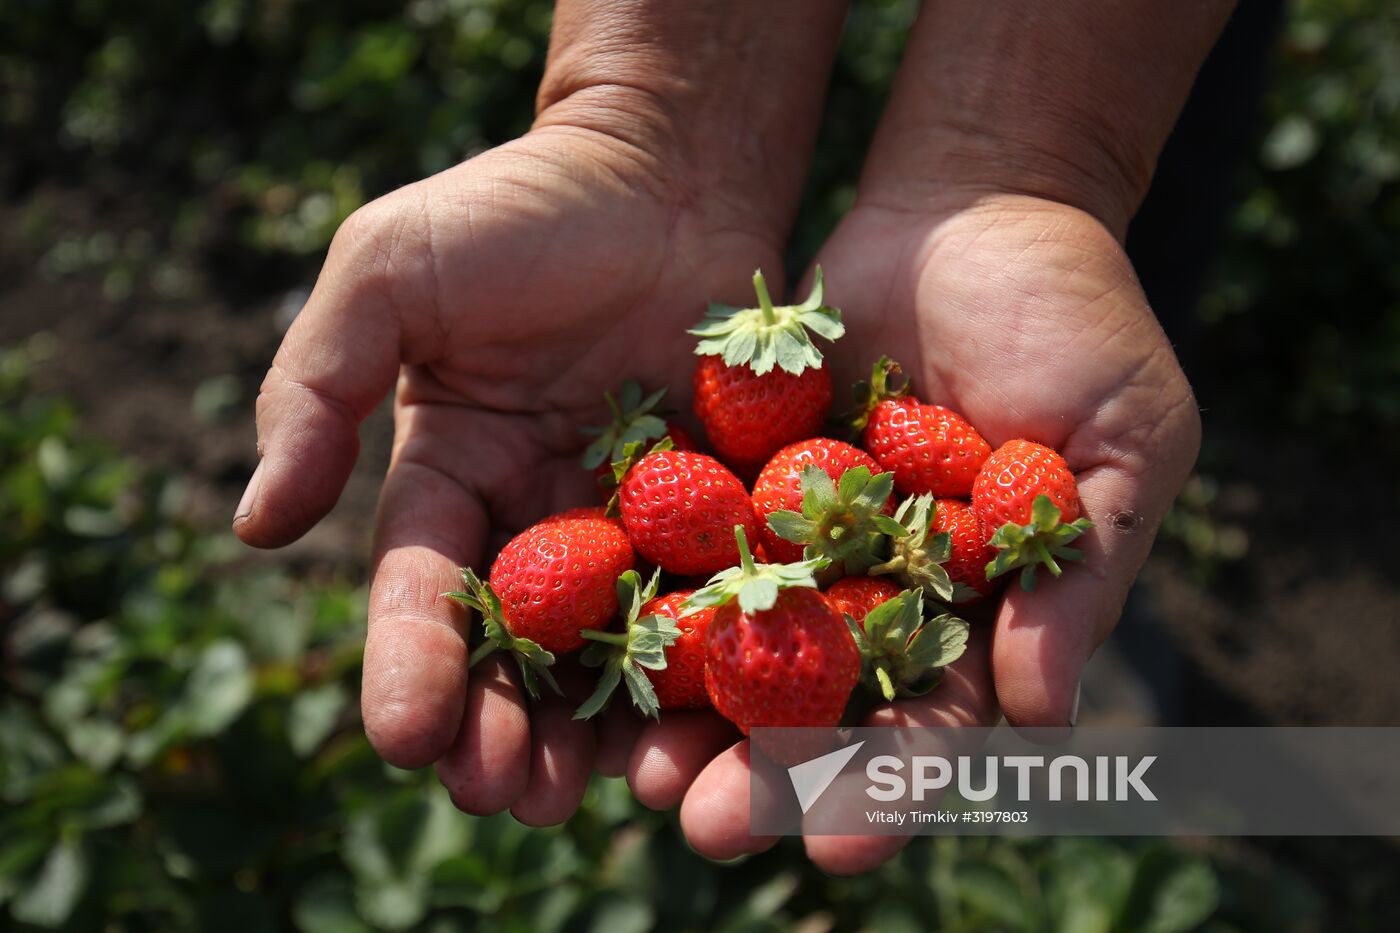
(623,655)
(902,655)
(534,661)
(1037,543)
(631,455)
(755,586)
(770,335)
(885,383)
(917,552)
(635,419)
(843,522)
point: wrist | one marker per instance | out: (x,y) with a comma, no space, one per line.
(1069,102)
(718,100)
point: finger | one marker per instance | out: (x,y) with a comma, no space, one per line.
(617,730)
(415,665)
(963,698)
(1044,638)
(668,755)
(561,762)
(337,361)
(488,765)
(715,811)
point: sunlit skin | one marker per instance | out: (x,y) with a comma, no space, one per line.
(503,297)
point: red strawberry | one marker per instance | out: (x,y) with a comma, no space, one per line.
(680,509)
(929,448)
(750,408)
(1027,503)
(902,654)
(858,596)
(589,511)
(969,556)
(550,582)
(777,653)
(680,440)
(634,419)
(779,485)
(662,665)
(681,684)
(747,417)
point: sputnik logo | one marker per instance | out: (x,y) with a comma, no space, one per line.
(811,778)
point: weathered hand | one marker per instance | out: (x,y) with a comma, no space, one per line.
(504,296)
(1024,315)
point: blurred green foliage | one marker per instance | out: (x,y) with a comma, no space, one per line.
(1302,320)
(180,749)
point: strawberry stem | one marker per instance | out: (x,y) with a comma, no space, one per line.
(745,558)
(765,302)
(1044,554)
(607,638)
(482,650)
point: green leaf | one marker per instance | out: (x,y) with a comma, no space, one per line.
(1173,892)
(994,894)
(768,335)
(1036,544)
(634,421)
(533,661)
(622,656)
(642,693)
(49,899)
(756,586)
(120,803)
(96,741)
(327,905)
(312,715)
(218,689)
(607,683)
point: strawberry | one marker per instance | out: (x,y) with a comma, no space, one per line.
(589,511)
(779,485)
(901,654)
(630,654)
(549,583)
(929,448)
(680,509)
(777,653)
(969,553)
(750,408)
(918,550)
(1027,503)
(844,522)
(857,596)
(634,419)
(681,683)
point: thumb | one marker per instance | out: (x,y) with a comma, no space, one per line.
(338,360)
(1044,638)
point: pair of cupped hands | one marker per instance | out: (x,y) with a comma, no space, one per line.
(500,299)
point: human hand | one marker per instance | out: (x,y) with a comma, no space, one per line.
(1023,315)
(984,253)
(503,297)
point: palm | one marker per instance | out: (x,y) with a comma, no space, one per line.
(504,297)
(549,286)
(1026,318)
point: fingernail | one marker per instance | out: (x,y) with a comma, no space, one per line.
(250,495)
(1074,707)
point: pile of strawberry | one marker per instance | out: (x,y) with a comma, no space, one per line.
(772,602)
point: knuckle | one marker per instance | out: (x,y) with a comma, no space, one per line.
(379,241)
